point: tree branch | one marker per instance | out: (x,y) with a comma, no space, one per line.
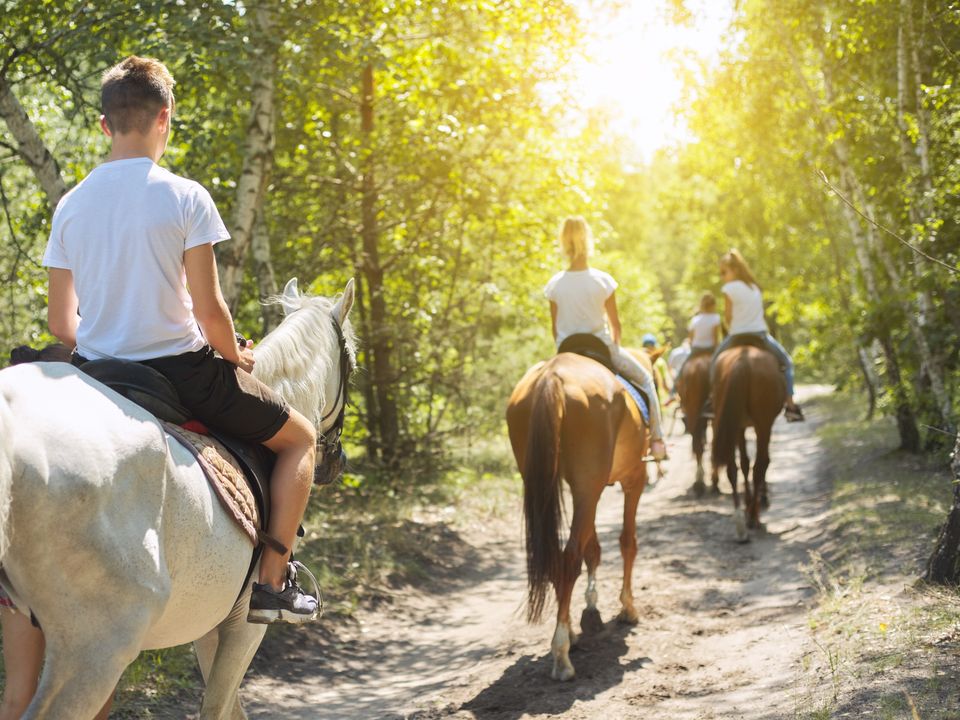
(913,248)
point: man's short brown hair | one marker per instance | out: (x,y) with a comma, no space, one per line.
(133,92)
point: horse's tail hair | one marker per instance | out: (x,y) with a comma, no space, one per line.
(730,414)
(6,470)
(542,508)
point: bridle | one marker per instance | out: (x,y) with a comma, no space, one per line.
(328,442)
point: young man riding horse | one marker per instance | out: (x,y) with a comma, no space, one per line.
(131,248)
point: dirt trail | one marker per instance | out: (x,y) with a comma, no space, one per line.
(721,631)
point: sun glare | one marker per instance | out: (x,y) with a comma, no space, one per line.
(631,68)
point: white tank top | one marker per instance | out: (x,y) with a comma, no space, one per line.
(747,316)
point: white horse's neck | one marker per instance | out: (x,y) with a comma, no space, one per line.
(299,360)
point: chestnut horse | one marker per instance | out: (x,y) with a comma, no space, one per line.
(571,419)
(748,390)
(693,387)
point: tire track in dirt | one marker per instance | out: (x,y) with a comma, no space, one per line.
(721,631)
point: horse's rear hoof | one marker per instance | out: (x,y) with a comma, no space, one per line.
(590,621)
(563,673)
(699,488)
(628,617)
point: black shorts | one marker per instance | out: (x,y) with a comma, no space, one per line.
(222,396)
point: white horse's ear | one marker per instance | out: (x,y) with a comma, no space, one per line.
(290,300)
(343,306)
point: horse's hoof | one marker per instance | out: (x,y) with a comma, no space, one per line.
(699,488)
(590,621)
(562,672)
(628,617)
(715,490)
(740,526)
(765,502)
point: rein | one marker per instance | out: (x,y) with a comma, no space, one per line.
(329,442)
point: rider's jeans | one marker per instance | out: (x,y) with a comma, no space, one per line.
(630,368)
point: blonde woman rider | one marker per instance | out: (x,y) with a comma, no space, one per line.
(743,312)
(583,300)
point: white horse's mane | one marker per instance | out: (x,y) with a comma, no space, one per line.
(299,357)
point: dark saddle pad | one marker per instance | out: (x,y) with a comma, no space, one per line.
(152,391)
(589,346)
(751,340)
(748,340)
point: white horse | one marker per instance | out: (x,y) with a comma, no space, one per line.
(110,533)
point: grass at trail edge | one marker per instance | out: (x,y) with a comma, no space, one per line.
(886,646)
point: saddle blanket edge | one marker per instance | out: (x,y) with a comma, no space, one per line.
(225,476)
(637,398)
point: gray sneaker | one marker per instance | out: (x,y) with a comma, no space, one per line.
(290,605)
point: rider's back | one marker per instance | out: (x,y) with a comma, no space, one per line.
(122,232)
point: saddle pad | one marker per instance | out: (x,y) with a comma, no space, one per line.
(225,475)
(637,398)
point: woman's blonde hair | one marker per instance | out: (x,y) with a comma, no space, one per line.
(735,262)
(576,241)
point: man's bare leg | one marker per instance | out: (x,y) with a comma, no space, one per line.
(295,446)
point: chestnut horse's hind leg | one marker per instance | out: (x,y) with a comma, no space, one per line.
(749,487)
(582,531)
(590,620)
(739,517)
(628,549)
(760,477)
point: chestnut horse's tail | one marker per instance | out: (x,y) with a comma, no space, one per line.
(542,507)
(733,392)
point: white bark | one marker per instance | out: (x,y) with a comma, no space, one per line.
(30,145)
(257,161)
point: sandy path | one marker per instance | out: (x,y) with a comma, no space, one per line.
(721,632)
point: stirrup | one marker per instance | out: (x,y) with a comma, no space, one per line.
(293,569)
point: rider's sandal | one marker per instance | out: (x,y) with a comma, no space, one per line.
(289,605)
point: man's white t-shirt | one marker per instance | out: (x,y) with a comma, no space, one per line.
(580,296)
(747,302)
(702,326)
(122,233)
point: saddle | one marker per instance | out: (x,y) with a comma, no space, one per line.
(238,472)
(590,346)
(752,340)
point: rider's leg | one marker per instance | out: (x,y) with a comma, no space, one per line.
(295,446)
(725,343)
(785,361)
(22,657)
(631,368)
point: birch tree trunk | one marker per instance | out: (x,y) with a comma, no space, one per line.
(263,271)
(915,163)
(258,158)
(30,145)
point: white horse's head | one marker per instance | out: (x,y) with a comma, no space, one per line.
(308,360)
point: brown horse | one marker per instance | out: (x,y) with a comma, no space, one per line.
(749,390)
(693,387)
(569,418)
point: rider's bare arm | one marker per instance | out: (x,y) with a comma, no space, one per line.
(727,309)
(553,319)
(62,307)
(210,308)
(611,307)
